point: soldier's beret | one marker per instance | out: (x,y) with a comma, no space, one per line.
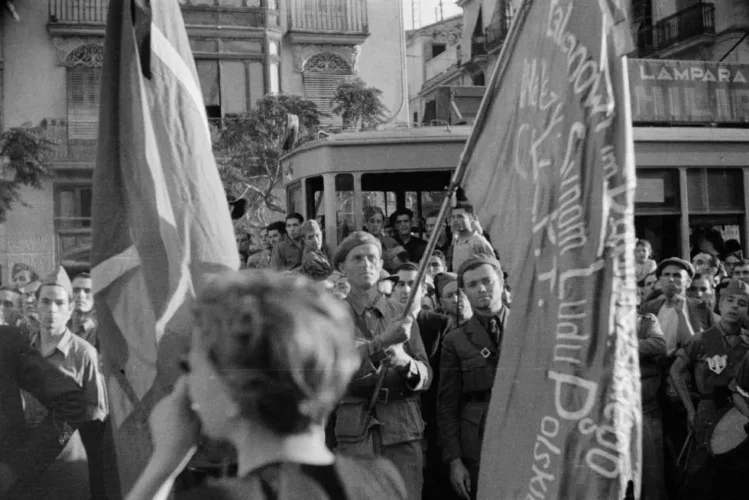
(476,261)
(355,239)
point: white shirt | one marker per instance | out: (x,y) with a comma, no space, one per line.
(669,321)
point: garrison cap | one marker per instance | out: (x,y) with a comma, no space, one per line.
(59,278)
(735,287)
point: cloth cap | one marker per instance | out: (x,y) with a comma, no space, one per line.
(309,226)
(442,280)
(675,261)
(355,239)
(59,278)
(735,287)
(371,211)
(476,261)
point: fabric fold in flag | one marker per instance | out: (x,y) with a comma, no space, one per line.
(550,169)
(161,224)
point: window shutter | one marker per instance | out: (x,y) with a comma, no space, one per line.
(319,88)
(83,102)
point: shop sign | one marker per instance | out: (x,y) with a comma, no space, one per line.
(664,91)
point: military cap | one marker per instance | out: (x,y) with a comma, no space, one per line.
(309,226)
(735,287)
(476,261)
(675,261)
(355,239)
(59,278)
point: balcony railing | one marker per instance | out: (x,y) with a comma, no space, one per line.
(692,22)
(346,16)
(78,11)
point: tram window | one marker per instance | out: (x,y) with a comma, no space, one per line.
(315,198)
(344,192)
(294,197)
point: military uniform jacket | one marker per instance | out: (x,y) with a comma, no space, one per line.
(398,412)
(468,365)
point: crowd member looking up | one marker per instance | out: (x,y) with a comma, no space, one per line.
(261,259)
(11,308)
(387,342)
(83,320)
(27,452)
(468,241)
(374,221)
(276,233)
(78,360)
(287,254)
(271,355)
(437,263)
(403,221)
(23,274)
(470,354)
(678,316)
(432,327)
(452,301)
(741,271)
(444,239)
(644,263)
(713,358)
(316,257)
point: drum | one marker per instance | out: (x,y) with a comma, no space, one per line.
(728,432)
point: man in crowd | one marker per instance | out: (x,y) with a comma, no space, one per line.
(444,238)
(730,264)
(741,271)
(469,242)
(432,327)
(702,289)
(316,256)
(387,422)
(11,308)
(403,221)
(374,221)
(261,259)
(470,354)
(23,274)
(276,233)
(713,358)
(83,320)
(27,452)
(287,255)
(78,360)
(436,264)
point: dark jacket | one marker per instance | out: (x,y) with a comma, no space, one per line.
(467,370)
(652,347)
(28,451)
(700,316)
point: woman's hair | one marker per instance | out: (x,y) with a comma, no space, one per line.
(284,347)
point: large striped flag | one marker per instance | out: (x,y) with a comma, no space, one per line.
(160,219)
(553,167)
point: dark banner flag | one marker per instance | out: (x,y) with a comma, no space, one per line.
(552,176)
(161,223)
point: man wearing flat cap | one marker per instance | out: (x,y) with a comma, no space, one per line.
(78,360)
(680,317)
(713,358)
(470,355)
(387,422)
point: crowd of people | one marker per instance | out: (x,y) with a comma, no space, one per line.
(327,387)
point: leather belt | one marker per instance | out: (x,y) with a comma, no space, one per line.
(385,395)
(477,397)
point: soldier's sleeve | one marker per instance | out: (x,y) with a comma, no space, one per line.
(64,400)
(420,372)
(448,401)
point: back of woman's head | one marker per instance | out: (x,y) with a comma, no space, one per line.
(284,347)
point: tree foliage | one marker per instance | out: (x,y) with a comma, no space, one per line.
(359,106)
(249,147)
(25,152)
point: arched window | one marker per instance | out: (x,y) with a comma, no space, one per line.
(83,83)
(322,74)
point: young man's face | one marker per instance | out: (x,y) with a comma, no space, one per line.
(402,289)
(403,225)
(10,301)
(22,278)
(274,236)
(313,240)
(54,308)
(435,266)
(362,266)
(292,228)
(741,273)
(453,299)
(650,281)
(430,225)
(374,223)
(265,239)
(701,289)
(83,296)
(484,288)
(460,221)
(733,308)
(730,264)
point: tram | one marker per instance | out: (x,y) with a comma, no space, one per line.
(336,179)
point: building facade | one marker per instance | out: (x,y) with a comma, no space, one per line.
(244,49)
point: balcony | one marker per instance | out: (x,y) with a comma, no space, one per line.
(443,62)
(89,17)
(342,22)
(497,31)
(684,30)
